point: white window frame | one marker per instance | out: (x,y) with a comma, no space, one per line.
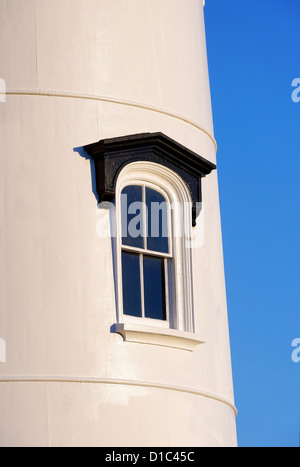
(176,192)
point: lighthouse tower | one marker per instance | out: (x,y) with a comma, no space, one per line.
(115,326)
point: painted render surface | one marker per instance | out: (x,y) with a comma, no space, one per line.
(77,71)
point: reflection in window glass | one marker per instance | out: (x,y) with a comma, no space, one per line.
(132,303)
(157,221)
(154,288)
(132,216)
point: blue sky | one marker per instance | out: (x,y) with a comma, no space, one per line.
(253,54)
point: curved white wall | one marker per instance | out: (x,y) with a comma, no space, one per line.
(77,71)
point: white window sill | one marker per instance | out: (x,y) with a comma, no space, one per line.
(158,336)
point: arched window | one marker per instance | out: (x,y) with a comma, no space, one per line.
(154,210)
(146,245)
(156,185)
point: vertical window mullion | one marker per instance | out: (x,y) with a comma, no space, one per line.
(142,284)
(166,274)
(145,220)
(170,229)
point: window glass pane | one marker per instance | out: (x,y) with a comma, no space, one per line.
(132,304)
(154,288)
(157,221)
(132,216)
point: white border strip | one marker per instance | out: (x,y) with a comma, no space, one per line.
(124,382)
(111,100)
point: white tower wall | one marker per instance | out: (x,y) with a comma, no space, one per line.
(77,71)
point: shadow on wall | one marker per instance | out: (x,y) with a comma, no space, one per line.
(102,209)
(80,150)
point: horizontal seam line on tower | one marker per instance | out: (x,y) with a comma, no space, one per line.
(80,380)
(111,100)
